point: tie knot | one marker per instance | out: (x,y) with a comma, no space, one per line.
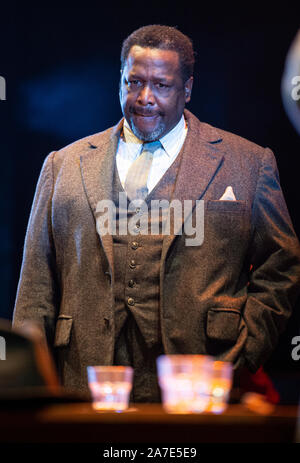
(151,146)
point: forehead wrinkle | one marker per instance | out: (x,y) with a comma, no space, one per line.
(140,60)
(150,73)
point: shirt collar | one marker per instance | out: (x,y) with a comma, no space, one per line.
(171,139)
(168,141)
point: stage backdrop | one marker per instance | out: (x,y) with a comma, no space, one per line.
(61,69)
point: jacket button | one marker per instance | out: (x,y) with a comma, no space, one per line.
(131,283)
(130,301)
(132,264)
(134,245)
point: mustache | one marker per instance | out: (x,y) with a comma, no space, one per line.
(145,112)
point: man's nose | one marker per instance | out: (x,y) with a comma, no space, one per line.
(146,96)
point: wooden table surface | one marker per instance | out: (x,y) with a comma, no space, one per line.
(78,422)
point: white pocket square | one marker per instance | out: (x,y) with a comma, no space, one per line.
(228,195)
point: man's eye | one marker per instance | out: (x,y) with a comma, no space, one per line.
(134,83)
(162,87)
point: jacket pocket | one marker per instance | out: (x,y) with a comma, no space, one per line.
(237,207)
(223,324)
(63,330)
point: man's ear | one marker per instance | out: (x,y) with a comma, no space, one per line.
(188,89)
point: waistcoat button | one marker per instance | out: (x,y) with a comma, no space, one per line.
(132,264)
(134,245)
(130,301)
(131,283)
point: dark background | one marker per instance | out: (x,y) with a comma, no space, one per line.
(61,67)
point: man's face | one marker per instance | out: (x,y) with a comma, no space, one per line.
(152,91)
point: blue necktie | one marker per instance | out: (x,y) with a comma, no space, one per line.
(137,176)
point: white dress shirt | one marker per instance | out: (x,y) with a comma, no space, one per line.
(130,147)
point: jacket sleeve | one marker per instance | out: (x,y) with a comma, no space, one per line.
(275,257)
(38,290)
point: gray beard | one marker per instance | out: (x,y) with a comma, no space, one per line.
(152,136)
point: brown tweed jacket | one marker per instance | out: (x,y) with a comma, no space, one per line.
(229,297)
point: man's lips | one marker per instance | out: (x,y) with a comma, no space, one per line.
(146,119)
(145,114)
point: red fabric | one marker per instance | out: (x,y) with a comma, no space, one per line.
(259,382)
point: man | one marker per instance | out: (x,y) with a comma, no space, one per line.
(124,298)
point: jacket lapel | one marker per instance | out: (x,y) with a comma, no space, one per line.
(202,156)
(97,169)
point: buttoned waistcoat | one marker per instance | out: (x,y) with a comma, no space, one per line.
(230,296)
(137,265)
